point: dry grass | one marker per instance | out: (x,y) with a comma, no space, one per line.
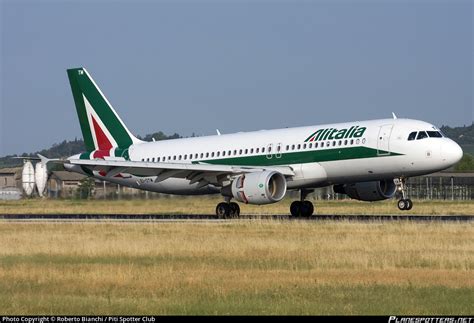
(206,205)
(249,267)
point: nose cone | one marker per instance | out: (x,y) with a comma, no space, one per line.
(451,152)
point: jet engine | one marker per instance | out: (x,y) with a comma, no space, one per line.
(257,188)
(368,191)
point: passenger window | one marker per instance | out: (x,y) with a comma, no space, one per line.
(229,153)
(235,152)
(223,153)
(207,155)
(434,134)
(263,149)
(322,144)
(212,154)
(333,143)
(412,136)
(179,157)
(345,142)
(287,147)
(257,150)
(299,146)
(339,142)
(251,150)
(292,147)
(174,157)
(158,159)
(246,151)
(352,141)
(310,146)
(202,155)
(316,145)
(304,146)
(421,135)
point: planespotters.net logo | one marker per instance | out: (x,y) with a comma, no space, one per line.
(396,319)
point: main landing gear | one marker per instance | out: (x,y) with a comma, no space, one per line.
(404,204)
(228,209)
(302,208)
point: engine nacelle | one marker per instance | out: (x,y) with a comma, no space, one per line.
(368,191)
(259,188)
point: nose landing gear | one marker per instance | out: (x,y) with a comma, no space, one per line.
(404,204)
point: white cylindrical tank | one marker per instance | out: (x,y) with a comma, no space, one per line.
(28,178)
(41,177)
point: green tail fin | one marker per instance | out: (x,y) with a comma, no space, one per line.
(101,126)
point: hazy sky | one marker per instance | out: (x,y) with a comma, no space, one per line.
(194,66)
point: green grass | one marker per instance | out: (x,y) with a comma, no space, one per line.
(246,267)
(300,300)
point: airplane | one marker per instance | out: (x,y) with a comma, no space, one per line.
(366,160)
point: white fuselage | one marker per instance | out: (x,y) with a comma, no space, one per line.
(383,151)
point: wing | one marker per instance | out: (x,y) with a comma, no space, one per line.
(202,173)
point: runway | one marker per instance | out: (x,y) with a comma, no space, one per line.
(213,218)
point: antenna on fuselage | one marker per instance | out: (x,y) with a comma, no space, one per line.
(394,116)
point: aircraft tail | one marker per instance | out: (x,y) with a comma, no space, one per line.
(102,128)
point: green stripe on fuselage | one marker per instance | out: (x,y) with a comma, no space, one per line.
(303,157)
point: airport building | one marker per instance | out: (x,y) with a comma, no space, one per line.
(10,183)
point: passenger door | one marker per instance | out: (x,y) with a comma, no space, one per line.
(383,139)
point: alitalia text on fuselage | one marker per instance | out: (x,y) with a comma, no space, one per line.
(334,133)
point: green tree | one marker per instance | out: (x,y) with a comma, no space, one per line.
(86,188)
(466,163)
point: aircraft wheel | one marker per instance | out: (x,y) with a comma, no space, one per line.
(222,210)
(307,208)
(234,209)
(401,205)
(295,208)
(405,204)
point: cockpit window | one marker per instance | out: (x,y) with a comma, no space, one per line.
(434,134)
(412,136)
(421,135)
